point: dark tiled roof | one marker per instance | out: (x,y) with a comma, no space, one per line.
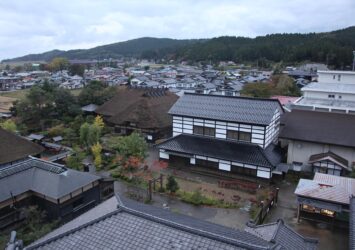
(225,108)
(46,178)
(321,156)
(319,127)
(352,223)
(14,147)
(98,211)
(138,226)
(283,235)
(147,108)
(223,149)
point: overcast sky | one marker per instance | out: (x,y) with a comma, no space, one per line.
(34,26)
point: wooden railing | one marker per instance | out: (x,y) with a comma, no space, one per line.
(10,218)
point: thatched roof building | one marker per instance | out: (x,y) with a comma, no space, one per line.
(14,147)
(140,109)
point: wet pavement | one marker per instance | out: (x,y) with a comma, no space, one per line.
(232,217)
(286,209)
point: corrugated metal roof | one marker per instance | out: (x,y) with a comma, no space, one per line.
(327,187)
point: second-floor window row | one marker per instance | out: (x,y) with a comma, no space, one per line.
(231,134)
(199,130)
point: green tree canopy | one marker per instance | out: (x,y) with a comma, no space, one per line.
(172,186)
(77,69)
(58,64)
(45,102)
(284,85)
(96,92)
(261,90)
(127,146)
(9,125)
(89,134)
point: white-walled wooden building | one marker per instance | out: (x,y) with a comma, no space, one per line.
(323,141)
(233,134)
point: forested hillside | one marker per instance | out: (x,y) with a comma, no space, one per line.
(333,48)
(133,47)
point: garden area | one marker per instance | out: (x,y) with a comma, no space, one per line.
(34,227)
(185,186)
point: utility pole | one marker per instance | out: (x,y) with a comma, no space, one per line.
(354,60)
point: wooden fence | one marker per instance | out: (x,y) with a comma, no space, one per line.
(265,207)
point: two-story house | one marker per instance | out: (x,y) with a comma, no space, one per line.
(232,134)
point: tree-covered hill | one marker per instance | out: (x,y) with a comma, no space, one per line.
(333,48)
(133,47)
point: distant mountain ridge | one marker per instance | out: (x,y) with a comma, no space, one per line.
(134,47)
(333,48)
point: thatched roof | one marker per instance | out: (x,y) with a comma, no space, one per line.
(14,147)
(147,108)
(6,103)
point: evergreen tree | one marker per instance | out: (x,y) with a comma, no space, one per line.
(172,186)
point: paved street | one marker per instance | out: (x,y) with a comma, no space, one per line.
(287,210)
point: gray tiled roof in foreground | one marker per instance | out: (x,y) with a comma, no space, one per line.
(285,236)
(225,108)
(100,210)
(135,225)
(352,223)
(46,178)
(246,153)
(138,226)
